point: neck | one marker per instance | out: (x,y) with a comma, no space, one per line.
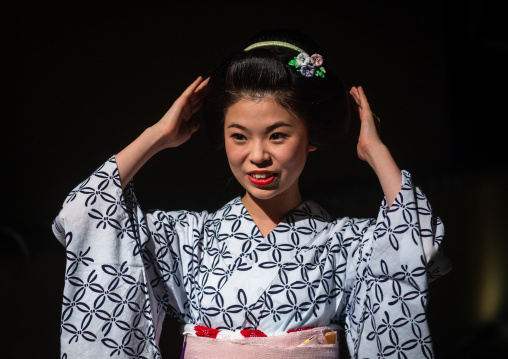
(272,210)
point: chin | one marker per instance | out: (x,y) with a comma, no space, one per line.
(264,194)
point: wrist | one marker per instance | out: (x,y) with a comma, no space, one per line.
(375,153)
(156,138)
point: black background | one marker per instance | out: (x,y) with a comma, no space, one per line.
(83,81)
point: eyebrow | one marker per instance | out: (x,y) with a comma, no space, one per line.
(268,129)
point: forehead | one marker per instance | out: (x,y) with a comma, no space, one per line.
(262,112)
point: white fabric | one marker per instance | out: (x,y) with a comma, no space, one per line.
(127,268)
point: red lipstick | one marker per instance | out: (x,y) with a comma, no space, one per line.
(268,178)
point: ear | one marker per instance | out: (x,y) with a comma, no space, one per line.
(311,148)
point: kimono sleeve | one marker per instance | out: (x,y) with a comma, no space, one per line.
(123,270)
(402,253)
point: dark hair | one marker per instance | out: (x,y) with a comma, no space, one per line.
(322,103)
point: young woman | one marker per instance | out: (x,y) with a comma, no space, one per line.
(267,270)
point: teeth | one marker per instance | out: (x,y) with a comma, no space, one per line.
(261,175)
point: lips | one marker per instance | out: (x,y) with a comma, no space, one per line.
(261,178)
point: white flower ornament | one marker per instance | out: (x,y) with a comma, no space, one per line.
(302,59)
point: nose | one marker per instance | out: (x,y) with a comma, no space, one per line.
(259,153)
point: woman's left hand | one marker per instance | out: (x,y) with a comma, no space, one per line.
(373,151)
(368,140)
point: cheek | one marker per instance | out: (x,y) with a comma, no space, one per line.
(293,157)
(234,155)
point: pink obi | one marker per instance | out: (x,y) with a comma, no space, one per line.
(307,343)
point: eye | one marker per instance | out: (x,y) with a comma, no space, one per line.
(278,136)
(238,137)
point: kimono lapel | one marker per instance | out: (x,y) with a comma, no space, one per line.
(291,248)
(245,265)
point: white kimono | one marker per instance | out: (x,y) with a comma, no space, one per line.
(127,268)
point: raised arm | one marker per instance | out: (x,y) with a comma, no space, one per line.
(172,130)
(372,150)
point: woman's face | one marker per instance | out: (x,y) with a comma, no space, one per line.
(266,147)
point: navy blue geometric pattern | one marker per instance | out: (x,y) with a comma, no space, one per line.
(126,269)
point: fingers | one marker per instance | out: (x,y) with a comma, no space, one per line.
(202,85)
(356,97)
(195,108)
(196,100)
(360,98)
(198,93)
(191,100)
(363,107)
(363,99)
(192,88)
(197,97)
(354,93)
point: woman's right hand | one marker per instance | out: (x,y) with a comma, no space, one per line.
(173,129)
(177,125)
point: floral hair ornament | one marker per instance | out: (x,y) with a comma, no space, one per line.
(309,66)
